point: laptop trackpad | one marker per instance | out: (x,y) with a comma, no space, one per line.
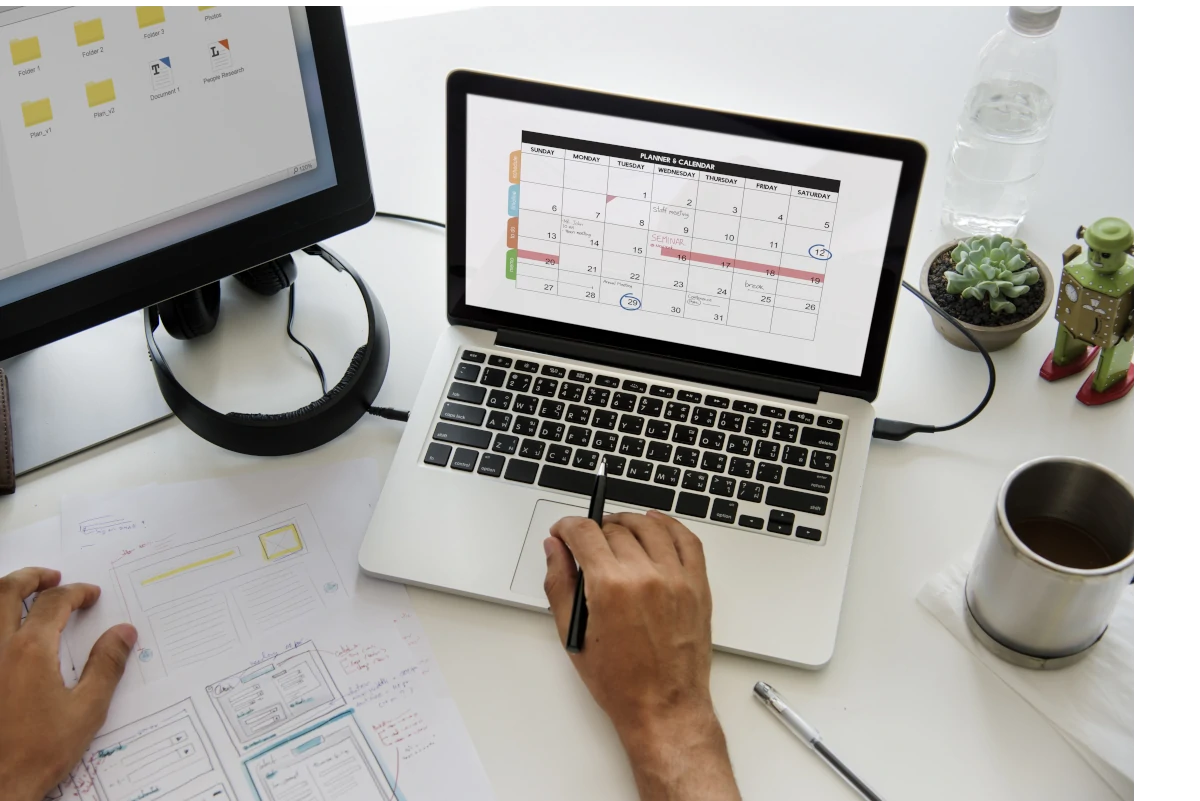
(531,568)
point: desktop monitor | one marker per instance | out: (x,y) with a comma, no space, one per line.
(149,151)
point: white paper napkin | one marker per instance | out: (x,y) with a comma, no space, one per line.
(1090,703)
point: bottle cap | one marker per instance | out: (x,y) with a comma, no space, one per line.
(1033,20)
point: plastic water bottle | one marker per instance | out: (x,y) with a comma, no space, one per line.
(1003,126)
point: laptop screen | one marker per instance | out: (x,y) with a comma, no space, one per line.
(753,247)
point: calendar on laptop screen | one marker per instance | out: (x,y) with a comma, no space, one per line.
(743,245)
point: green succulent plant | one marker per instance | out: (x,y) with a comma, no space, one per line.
(992,268)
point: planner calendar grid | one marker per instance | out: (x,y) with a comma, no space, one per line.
(680,236)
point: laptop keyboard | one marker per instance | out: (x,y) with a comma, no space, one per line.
(698,453)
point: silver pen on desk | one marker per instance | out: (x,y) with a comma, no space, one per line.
(773,701)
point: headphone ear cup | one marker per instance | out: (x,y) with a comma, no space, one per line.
(270,277)
(192,314)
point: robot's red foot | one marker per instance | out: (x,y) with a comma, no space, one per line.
(1052,372)
(1090,397)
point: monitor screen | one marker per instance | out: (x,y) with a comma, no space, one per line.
(752,247)
(126,130)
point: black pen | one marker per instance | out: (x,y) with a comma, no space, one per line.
(577,628)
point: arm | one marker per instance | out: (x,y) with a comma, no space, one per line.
(44,727)
(648,651)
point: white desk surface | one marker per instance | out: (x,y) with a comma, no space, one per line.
(902,702)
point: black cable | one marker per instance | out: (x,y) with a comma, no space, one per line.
(389,215)
(896,430)
(307,349)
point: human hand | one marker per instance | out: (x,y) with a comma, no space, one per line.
(44,727)
(648,651)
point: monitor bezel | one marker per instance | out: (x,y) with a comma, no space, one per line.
(137,283)
(910,153)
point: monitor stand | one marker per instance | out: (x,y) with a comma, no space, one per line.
(81,391)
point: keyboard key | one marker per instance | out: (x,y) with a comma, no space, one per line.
(730,421)
(819,438)
(578,414)
(679,412)
(739,444)
(580,376)
(765,449)
(829,422)
(552,409)
(464,459)
(438,453)
(772,411)
(758,427)
(605,441)
(525,404)
(658,429)
(472,356)
(466,393)
(532,448)
(614,465)
(781,522)
(526,366)
(662,392)
(768,472)
(785,432)
(518,382)
(633,386)
(586,460)
(643,471)
(617,489)
(723,511)
(570,392)
(546,387)
(808,480)
(695,481)
(461,435)
(526,426)
(493,377)
(499,399)
(746,521)
(525,472)
(804,418)
(687,457)
(693,505)
(666,475)
(750,491)
(659,452)
(714,440)
(722,486)
(500,361)
(651,407)
(604,419)
(472,415)
(632,446)
(684,435)
(714,462)
(624,402)
(580,436)
(466,372)
(608,381)
(559,454)
(745,406)
(704,417)
(795,454)
(716,401)
(688,396)
(799,501)
(553,370)
(596,396)
(505,443)
(491,464)
(631,424)
(822,460)
(499,421)
(742,468)
(552,431)
(806,533)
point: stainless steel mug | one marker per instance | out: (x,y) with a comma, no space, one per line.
(1053,563)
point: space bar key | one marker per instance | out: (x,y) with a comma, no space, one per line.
(618,489)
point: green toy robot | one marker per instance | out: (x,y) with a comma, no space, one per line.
(1095,313)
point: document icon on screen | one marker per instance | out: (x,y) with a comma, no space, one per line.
(25,49)
(218,55)
(100,92)
(36,112)
(88,32)
(150,15)
(161,74)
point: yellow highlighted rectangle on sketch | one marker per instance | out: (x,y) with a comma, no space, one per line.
(36,112)
(150,15)
(281,542)
(24,49)
(100,92)
(89,31)
(189,566)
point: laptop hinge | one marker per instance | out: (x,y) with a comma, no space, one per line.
(661,365)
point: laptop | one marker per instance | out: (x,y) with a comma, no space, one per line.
(700,298)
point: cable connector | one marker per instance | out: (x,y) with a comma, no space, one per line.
(896,430)
(388,413)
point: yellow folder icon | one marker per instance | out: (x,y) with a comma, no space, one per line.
(36,112)
(150,15)
(25,49)
(100,92)
(90,31)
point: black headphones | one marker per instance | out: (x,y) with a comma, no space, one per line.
(194,314)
